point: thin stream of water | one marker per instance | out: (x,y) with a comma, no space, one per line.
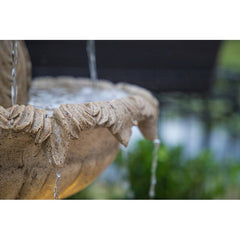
(92,59)
(154,168)
(14,54)
(57,187)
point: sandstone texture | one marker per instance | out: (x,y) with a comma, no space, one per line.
(82,139)
(23,73)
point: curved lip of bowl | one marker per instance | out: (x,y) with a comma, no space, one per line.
(139,108)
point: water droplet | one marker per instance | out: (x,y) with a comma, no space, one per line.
(58,174)
(57,187)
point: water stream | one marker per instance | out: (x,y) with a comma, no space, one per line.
(92,59)
(153,180)
(57,187)
(14,54)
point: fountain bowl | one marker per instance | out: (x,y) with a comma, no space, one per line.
(82,139)
(78,138)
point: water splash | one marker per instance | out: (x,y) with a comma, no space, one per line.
(154,168)
(14,54)
(92,59)
(57,187)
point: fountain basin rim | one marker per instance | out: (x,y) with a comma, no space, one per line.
(69,120)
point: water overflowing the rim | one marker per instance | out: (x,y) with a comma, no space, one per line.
(153,181)
(57,187)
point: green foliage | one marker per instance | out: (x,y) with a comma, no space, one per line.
(178,177)
(100,190)
(201,177)
(228,56)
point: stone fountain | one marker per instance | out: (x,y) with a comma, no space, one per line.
(78,140)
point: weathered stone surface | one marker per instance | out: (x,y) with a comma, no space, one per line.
(81,139)
(23,73)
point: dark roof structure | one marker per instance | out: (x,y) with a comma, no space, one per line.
(158,65)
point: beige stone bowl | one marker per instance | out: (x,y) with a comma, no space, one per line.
(82,139)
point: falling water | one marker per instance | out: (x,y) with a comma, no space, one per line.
(154,168)
(92,59)
(14,54)
(57,187)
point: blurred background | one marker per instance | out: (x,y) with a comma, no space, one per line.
(197,84)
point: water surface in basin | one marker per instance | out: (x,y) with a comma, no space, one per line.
(51,98)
